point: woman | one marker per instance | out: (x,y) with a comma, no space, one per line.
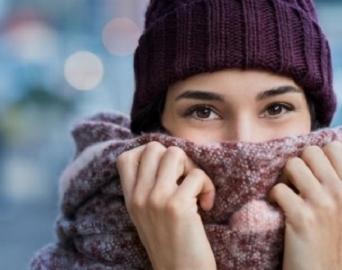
(209,72)
(234,70)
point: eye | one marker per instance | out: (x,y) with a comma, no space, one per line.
(275,109)
(202,112)
(278,109)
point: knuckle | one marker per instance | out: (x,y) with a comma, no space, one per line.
(153,146)
(137,203)
(310,151)
(176,152)
(293,163)
(334,145)
(196,172)
(277,190)
(122,158)
(155,202)
(126,157)
(306,218)
(173,208)
(328,206)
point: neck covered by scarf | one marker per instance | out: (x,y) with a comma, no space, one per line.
(245,231)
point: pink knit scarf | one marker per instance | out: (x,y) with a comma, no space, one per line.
(94,229)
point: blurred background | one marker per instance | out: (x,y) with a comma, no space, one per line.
(59,62)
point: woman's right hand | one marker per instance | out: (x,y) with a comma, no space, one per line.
(162,187)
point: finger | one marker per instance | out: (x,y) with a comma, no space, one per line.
(284,180)
(318,162)
(287,199)
(174,164)
(196,185)
(128,164)
(298,173)
(147,172)
(333,151)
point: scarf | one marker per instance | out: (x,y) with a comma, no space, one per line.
(94,230)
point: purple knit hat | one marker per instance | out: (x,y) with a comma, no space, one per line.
(186,37)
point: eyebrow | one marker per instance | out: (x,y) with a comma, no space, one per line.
(210,96)
(200,95)
(285,89)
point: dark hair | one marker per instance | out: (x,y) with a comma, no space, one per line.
(315,123)
(149,118)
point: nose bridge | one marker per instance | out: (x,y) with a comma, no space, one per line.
(244,128)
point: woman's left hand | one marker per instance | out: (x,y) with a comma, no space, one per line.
(313,215)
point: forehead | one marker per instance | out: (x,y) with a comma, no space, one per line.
(230,81)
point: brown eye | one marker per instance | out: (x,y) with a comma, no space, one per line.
(275,109)
(203,112)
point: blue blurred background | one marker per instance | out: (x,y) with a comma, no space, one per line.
(59,62)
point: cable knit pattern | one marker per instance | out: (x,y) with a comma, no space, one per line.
(187,37)
(245,231)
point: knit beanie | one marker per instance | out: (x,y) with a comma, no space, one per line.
(187,37)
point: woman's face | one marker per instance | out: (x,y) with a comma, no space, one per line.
(250,106)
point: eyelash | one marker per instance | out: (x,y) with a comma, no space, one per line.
(190,111)
(287,107)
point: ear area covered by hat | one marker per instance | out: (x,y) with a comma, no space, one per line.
(245,231)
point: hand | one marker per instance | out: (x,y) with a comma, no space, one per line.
(313,234)
(163,207)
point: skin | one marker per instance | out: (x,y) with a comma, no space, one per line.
(251,106)
(246,112)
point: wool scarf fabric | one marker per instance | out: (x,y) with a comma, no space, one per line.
(245,231)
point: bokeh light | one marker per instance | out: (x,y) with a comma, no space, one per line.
(120,36)
(83,70)
(32,41)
